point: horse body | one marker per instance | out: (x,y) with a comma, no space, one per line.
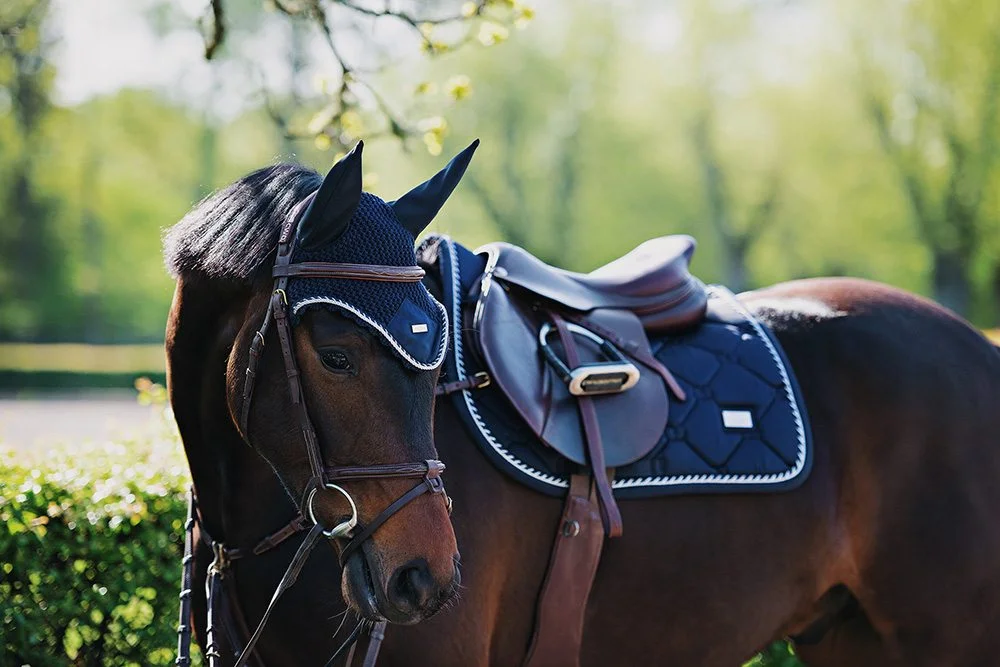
(902,481)
(886,555)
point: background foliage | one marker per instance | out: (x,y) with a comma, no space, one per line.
(792,139)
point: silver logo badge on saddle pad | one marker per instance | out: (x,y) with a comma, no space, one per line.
(741,419)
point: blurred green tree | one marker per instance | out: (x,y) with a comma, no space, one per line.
(33,281)
(929,78)
(736,221)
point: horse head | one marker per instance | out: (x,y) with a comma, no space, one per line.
(345,361)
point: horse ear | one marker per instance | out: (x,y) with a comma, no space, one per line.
(417,208)
(334,204)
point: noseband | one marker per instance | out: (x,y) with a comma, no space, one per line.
(325,477)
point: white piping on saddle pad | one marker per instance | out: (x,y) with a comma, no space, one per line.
(628,483)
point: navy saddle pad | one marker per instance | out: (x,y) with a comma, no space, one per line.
(743,427)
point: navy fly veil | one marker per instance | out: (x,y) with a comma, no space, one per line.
(404,315)
(344,225)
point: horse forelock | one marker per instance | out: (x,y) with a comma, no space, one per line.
(231,235)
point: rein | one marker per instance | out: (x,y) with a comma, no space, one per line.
(322,477)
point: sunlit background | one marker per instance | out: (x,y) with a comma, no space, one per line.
(792,138)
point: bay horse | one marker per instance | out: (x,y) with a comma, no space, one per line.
(888,554)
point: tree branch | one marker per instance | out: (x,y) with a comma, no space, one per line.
(407,18)
(215,36)
(762,214)
(912,183)
(355,91)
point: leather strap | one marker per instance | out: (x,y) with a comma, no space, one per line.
(293,527)
(376,635)
(213,590)
(256,347)
(610,514)
(187,569)
(291,574)
(480,380)
(431,483)
(636,352)
(562,603)
(430,467)
(347,271)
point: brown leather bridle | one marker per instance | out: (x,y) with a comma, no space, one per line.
(322,476)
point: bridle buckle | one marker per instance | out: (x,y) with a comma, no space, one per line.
(220,560)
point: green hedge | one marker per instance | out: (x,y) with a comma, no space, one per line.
(90,557)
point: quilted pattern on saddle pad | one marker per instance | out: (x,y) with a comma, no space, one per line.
(743,427)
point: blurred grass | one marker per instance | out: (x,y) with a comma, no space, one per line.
(81,358)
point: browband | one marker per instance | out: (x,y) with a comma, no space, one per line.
(346,271)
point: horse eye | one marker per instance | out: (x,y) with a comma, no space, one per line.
(337,361)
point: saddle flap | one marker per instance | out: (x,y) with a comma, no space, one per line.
(631,422)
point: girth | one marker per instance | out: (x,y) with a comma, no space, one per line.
(322,477)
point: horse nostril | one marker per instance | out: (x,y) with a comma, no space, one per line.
(412,587)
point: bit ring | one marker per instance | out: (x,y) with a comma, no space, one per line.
(342,529)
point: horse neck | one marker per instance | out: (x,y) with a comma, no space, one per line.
(239,496)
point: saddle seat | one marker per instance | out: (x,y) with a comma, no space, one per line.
(651,281)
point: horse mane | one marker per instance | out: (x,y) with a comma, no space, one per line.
(232,233)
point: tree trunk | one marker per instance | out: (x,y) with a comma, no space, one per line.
(995,296)
(735,270)
(951,284)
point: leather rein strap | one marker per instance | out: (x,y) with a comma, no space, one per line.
(322,477)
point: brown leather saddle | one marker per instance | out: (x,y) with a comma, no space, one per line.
(609,312)
(571,352)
